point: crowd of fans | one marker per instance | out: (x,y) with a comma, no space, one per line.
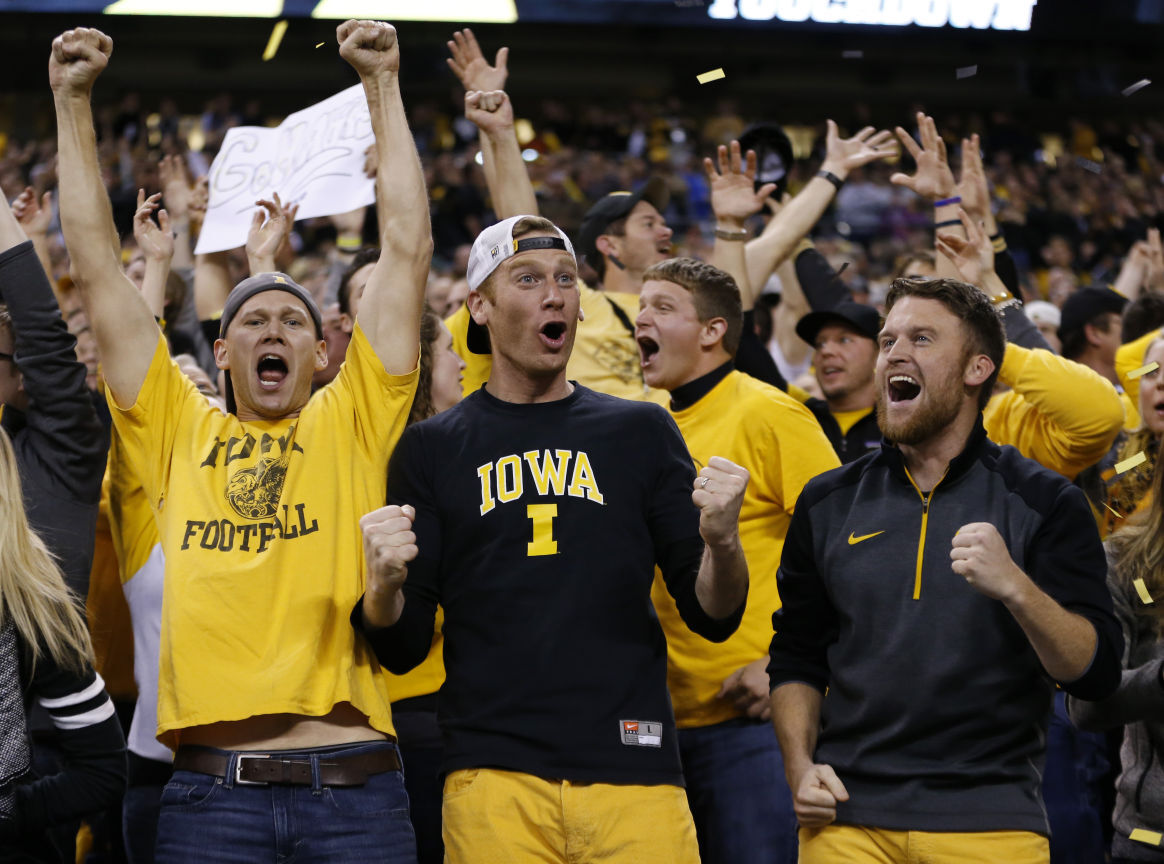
(1066,221)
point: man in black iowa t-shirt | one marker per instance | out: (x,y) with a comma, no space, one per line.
(534,513)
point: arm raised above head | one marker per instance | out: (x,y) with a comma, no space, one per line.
(125,330)
(394,296)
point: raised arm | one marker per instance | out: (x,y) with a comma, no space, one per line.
(797,217)
(510,189)
(734,200)
(390,309)
(176,194)
(157,245)
(933,180)
(121,321)
(269,230)
(1069,415)
(491,111)
(35,217)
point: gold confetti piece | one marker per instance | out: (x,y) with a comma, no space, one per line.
(320,45)
(1142,590)
(1144,370)
(276,37)
(1143,835)
(713,75)
(1130,463)
(1117,515)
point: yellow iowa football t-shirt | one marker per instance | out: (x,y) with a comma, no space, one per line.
(259,522)
(780,443)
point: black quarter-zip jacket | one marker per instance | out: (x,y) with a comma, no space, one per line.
(936,705)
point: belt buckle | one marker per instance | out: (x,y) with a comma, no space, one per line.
(238,764)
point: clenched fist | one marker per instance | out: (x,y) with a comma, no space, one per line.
(489,110)
(370,46)
(719,493)
(389,544)
(78,57)
(981,557)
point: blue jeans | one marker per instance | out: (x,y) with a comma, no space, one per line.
(1076,767)
(207,818)
(139,822)
(738,795)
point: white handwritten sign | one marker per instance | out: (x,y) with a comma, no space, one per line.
(314,158)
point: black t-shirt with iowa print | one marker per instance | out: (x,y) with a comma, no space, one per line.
(539,527)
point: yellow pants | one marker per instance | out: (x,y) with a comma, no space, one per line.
(852,844)
(501,817)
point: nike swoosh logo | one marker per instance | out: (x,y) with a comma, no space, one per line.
(854,539)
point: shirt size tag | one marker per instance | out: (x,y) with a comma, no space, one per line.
(641,733)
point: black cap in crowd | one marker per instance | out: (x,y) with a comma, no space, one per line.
(1087,303)
(864,319)
(613,207)
(774,156)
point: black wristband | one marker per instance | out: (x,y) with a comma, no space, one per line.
(832,178)
(947,223)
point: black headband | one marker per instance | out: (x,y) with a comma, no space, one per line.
(526,244)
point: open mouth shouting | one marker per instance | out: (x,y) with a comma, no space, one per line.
(553,334)
(272,371)
(648,348)
(902,388)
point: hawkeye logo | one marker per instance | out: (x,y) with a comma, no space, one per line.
(254,493)
(854,539)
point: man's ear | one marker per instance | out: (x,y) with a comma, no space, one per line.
(605,245)
(346,323)
(320,355)
(1091,334)
(713,332)
(221,354)
(478,303)
(978,369)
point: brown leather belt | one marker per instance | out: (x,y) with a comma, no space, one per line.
(262,768)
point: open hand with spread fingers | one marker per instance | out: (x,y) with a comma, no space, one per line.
(470,66)
(842,155)
(156,240)
(733,188)
(719,493)
(389,544)
(973,255)
(369,46)
(933,178)
(270,227)
(34,216)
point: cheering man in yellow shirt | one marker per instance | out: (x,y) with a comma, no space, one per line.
(279,714)
(688,330)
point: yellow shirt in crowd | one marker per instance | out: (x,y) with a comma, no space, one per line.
(605,356)
(1058,412)
(780,443)
(260,526)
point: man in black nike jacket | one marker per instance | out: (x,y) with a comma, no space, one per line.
(934,593)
